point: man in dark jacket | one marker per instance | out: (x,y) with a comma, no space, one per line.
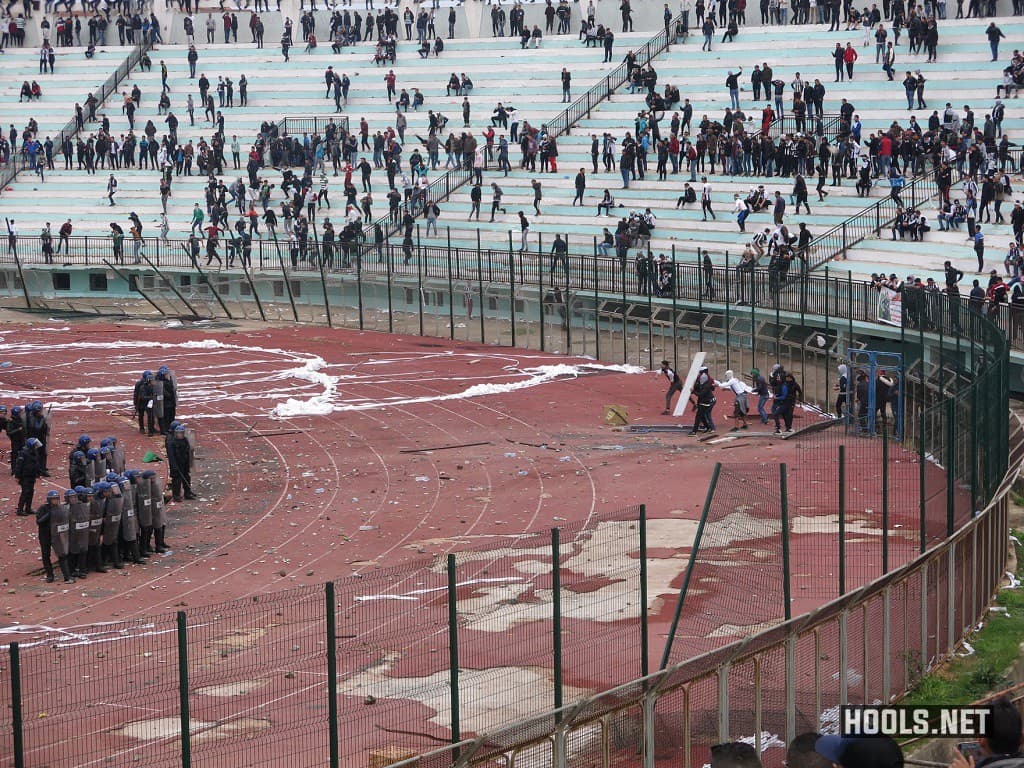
(179,462)
(27,469)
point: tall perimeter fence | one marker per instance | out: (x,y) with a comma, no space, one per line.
(841,578)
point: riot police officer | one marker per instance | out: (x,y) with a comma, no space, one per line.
(141,398)
(113,506)
(27,469)
(179,458)
(156,496)
(37,425)
(16,433)
(46,537)
(78,547)
(129,521)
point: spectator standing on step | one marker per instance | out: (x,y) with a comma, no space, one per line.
(524,231)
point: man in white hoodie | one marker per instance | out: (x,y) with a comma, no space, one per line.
(740,405)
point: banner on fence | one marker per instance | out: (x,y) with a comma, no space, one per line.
(890,307)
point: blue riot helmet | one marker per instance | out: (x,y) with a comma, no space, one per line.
(94,453)
(33,442)
(163,370)
(149,473)
(146,375)
(16,410)
(78,456)
(53,494)
(84,440)
(70,493)
(35,405)
(112,477)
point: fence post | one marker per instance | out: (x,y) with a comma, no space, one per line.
(185,718)
(16,712)
(323,284)
(885,505)
(540,291)
(556,618)
(689,566)
(391,301)
(922,501)
(453,652)
(675,321)
(332,673)
(951,465)
(723,702)
(597,307)
(644,629)
(787,595)
(480,287)
(790,688)
(512,288)
(842,520)
(359,286)
(419,276)
(451,298)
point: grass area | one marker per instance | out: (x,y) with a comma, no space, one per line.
(996,647)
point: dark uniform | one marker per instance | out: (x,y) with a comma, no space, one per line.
(43,527)
(165,375)
(60,534)
(27,470)
(78,469)
(179,458)
(84,443)
(37,425)
(16,433)
(95,530)
(141,398)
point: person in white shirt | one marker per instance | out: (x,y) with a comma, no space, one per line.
(740,406)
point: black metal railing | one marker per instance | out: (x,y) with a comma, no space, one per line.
(296,125)
(829,124)
(828,292)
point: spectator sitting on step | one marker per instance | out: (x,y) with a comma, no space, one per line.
(424,49)
(454,84)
